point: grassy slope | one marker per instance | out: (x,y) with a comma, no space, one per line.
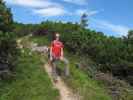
(31,81)
(88,88)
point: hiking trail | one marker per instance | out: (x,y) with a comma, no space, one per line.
(64,91)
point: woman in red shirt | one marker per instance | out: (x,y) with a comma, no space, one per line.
(57,54)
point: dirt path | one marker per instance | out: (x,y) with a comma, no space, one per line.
(65,92)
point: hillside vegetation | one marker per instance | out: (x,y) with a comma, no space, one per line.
(30,82)
(89,83)
(111,54)
(101,66)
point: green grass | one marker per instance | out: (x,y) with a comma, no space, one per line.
(31,81)
(89,88)
(85,86)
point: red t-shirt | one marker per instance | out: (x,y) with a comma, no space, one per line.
(56,48)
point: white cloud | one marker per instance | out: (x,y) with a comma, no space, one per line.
(30,3)
(79,2)
(48,7)
(81,11)
(50,11)
(94,12)
(119,30)
(89,13)
(45,7)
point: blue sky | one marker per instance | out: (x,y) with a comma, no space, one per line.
(113,17)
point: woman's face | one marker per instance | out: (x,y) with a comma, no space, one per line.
(57,37)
